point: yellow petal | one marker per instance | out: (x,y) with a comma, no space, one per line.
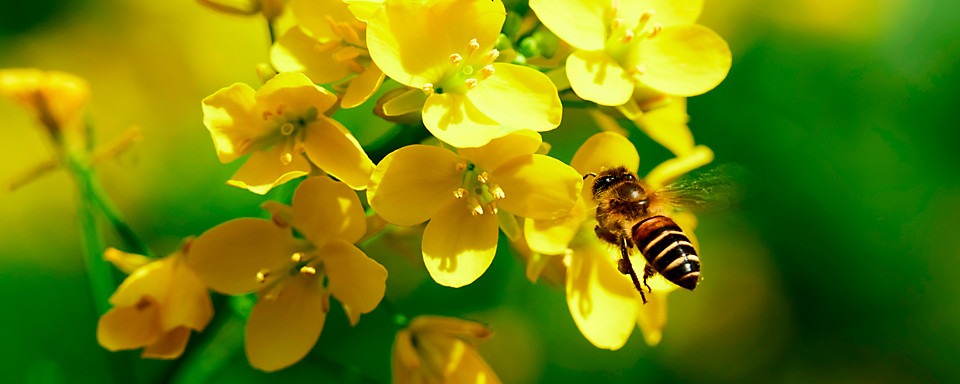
(666,12)
(537,186)
(518,97)
(126,262)
(652,317)
(265,170)
(228,256)
(412,41)
(334,149)
(450,326)
(685,60)
(295,92)
(578,22)
(363,9)
(152,280)
(129,327)
(231,116)
(282,330)
(363,86)
(404,357)
(324,209)
(552,236)
(459,246)
(188,303)
(297,52)
(469,366)
(356,280)
(404,101)
(170,346)
(671,169)
(601,301)
(454,119)
(596,77)
(62,95)
(605,150)
(412,183)
(667,125)
(311,16)
(492,155)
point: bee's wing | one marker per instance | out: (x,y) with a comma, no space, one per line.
(714,189)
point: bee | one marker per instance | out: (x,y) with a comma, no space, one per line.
(631,214)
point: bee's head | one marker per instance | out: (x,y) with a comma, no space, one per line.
(608,178)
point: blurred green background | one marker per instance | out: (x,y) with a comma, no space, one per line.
(839,266)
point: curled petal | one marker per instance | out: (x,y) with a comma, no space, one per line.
(671,169)
(363,86)
(596,77)
(151,281)
(295,51)
(403,101)
(685,60)
(468,366)
(334,149)
(552,236)
(363,10)
(450,326)
(503,148)
(231,116)
(411,184)
(265,170)
(356,280)
(601,301)
(324,209)
(126,262)
(518,97)
(578,22)
(281,330)
(667,125)
(228,257)
(129,327)
(458,246)
(538,186)
(170,346)
(456,120)
(311,17)
(295,92)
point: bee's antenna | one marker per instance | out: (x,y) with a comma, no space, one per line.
(589,174)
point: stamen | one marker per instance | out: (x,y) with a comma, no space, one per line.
(655,31)
(471,83)
(646,16)
(460,193)
(428,88)
(286,129)
(616,24)
(567,257)
(483,177)
(455,59)
(296,257)
(472,47)
(487,71)
(262,276)
(639,69)
(615,5)
(492,207)
(492,55)
(286,158)
(334,26)
(267,114)
(307,270)
(461,165)
(280,109)
(323,47)
(627,37)
(350,34)
(475,208)
(497,192)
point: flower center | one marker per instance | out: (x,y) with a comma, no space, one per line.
(623,44)
(300,263)
(477,188)
(466,70)
(288,130)
(351,49)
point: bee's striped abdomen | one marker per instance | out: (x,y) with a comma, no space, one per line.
(668,250)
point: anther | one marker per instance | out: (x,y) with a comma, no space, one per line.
(473,46)
(267,114)
(646,17)
(616,23)
(483,177)
(280,109)
(627,37)
(307,270)
(296,257)
(460,193)
(262,276)
(492,55)
(286,158)
(567,257)
(286,129)
(461,165)
(497,192)
(455,59)
(428,88)
(492,207)
(655,31)
(471,83)
(487,71)
(475,208)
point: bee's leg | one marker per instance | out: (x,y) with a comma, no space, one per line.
(648,272)
(624,264)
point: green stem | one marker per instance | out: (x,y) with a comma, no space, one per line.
(213,353)
(98,271)
(133,242)
(273,32)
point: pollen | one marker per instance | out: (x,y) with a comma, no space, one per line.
(286,158)
(471,83)
(627,36)
(460,193)
(308,270)
(296,257)
(646,16)
(497,192)
(475,208)
(473,46)
(461,165)
(616,23)
(655,31)
(428,88)
(455,59)
(486,72)
(262,276)
(483,177)
(492,55)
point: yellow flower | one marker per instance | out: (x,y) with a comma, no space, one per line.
(445,49)
(438,350)
(294,277)
(463,195)
(623,44)
(269,8)
(603,302)
(155,307)
(328,44)
(56,98)
(274,124)
(664,119)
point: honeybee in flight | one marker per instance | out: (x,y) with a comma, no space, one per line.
(631,215)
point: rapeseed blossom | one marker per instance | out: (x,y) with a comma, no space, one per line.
(56,99)
(156,307)
(603,302)
(328,44)
(462,194)
(444,49)
(622,45)
(439,350)
(274,125)
(293,277)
